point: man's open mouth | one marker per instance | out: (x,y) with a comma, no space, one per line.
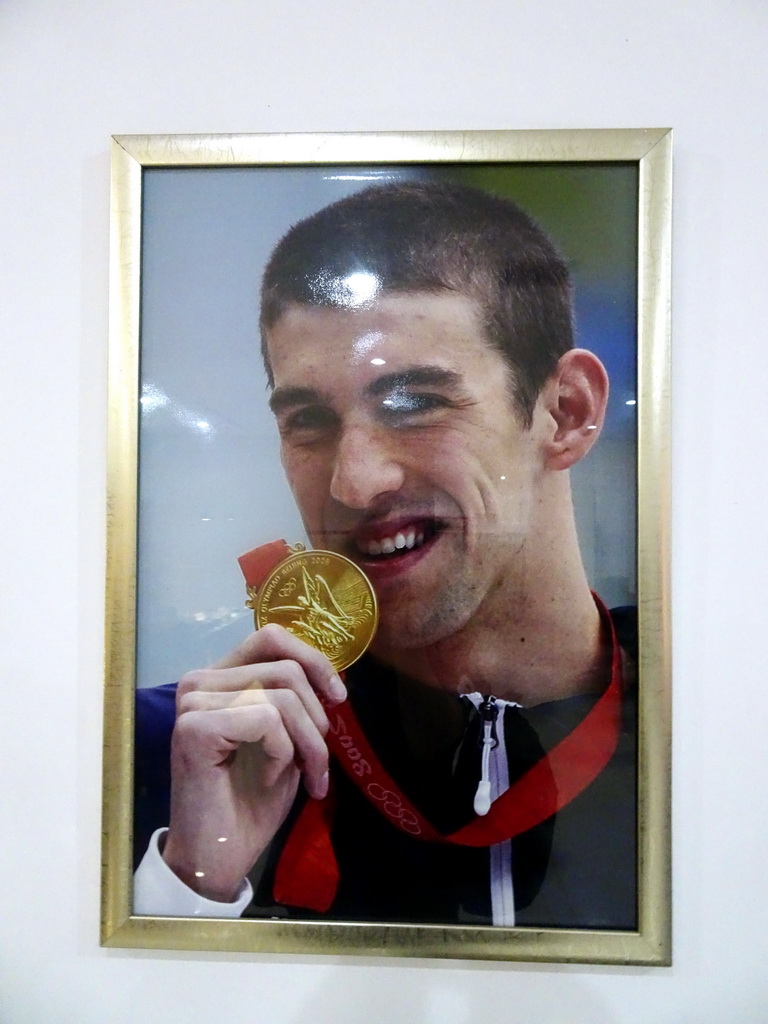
(398,542)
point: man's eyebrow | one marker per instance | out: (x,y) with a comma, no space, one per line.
(283,398)
(415,376)
(286,397)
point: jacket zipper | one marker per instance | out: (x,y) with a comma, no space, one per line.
(494,780)
(489,712)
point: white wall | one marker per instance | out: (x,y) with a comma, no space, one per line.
(71,74)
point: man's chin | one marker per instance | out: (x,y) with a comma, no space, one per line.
(407,627)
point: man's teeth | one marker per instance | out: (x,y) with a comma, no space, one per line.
(388,545)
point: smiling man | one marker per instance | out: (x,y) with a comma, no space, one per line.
(419,347)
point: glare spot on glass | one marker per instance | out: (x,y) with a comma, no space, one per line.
(631,401)
(592,426)
(359,177)
(363,345)
(199,874)
(192,420)
(361,287)
(206,519)
(378,362)
(222,839)
(349,291)
(152,397)
(502,478)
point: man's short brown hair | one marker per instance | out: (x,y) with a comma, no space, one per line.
(434,237)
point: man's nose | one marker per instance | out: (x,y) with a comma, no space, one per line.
(366,466)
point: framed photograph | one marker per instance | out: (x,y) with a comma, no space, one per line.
(388,648)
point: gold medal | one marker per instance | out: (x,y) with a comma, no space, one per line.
(322,598)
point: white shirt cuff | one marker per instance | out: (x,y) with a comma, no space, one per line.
(161,893)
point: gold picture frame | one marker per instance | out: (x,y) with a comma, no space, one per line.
(646,155)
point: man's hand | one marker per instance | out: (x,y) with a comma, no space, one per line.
(247,729)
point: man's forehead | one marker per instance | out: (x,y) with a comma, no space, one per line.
(411,325)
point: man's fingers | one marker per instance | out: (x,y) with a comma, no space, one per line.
(270,692)
(274,643)
(279,724)
(262,689)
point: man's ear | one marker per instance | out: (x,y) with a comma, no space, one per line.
(575,396)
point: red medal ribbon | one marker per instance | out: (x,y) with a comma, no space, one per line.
(307,873)
(257,564)
(571,765)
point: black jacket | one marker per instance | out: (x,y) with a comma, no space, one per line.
(575,870)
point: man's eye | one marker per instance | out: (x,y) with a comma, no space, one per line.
(407,403)
(310,419)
